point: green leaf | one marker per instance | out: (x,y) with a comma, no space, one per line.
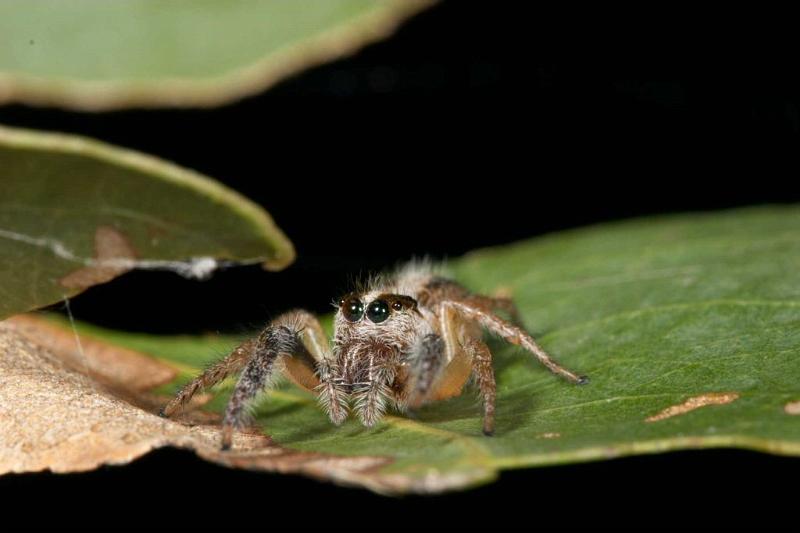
(75,212)
(664,315)
(98,55)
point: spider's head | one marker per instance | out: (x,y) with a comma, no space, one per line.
(371,328)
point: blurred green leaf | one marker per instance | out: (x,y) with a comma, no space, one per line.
(664,315)
(96,54)
(75,212)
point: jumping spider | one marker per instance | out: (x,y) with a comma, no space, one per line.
(409,339)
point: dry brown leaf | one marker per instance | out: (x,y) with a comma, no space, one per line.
(111,365)
(53,417)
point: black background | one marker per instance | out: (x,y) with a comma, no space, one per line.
(477,124)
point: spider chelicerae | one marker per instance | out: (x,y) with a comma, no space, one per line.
(403,340)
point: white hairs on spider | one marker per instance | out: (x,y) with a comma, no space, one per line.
(370,402)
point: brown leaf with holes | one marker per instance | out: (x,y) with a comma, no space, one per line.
(55,417)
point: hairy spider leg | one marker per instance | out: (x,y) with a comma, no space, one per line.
(321,374)
(426,362)
(297,340)
(307,363)
(514,335)
(231,364)
(301,371)
(484,377)
(274,342)
(491,303)
(465,354)
(441,366)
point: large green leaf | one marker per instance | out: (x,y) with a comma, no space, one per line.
(75,212)
(96,54)
(687,325)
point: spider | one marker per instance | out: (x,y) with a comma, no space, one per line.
(404,340)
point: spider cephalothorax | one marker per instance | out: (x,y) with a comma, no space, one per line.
(403,341)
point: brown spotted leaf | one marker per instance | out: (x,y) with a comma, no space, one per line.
(76,212)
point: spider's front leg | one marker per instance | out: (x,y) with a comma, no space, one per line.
(296,339)
(275,341)
(215,373)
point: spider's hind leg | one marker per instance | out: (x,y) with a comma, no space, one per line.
(441,365)
(508,305)
(490,304)
(513,334)
(483,371)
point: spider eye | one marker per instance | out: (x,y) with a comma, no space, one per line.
(352,309)
(397,306)
(378,311)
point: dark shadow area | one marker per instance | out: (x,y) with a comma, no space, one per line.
(170,488)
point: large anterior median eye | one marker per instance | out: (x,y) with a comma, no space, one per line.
(378,311)
(352,308)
